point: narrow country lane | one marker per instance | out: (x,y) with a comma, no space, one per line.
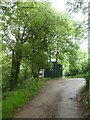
(58,99)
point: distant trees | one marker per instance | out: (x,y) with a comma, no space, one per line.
(83,7)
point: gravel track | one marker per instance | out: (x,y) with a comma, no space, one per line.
(57,99)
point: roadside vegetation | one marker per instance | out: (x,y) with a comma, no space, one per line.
(33,34)
(14,100)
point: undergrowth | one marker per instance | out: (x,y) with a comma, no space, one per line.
(85,99)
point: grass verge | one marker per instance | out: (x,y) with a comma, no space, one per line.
(18,98)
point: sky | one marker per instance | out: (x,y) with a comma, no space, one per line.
(59,5)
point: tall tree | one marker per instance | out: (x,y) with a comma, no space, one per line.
(33,30)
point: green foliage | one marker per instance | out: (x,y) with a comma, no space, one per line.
(85,99)
(16,99)
(6,69)
(78,63)
(87,78)
(37,36)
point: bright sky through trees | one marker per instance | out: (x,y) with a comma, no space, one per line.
(59,5)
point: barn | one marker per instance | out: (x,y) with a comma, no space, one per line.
(55,72)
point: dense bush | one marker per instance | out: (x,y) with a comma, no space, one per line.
(6,70)
(87,78)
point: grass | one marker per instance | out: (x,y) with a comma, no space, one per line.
(18,98)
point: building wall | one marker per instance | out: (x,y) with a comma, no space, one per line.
(55,72)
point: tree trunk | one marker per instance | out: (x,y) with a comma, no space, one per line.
(16,59)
